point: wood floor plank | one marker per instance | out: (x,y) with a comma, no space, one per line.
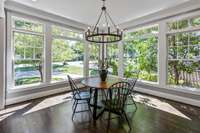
(53,115)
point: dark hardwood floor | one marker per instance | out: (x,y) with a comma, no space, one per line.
(53,115)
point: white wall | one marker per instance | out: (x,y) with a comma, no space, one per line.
(2,63)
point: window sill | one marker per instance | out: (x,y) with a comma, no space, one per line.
(38,86)
(187,90)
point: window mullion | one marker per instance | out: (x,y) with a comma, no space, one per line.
(162,54)
(10,52)
(121,59)
(86,59)
(47,55)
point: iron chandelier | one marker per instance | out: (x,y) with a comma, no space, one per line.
(108,32)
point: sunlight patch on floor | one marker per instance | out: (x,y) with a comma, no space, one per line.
(158,104)
(11,111)
(5,116)
(49,102)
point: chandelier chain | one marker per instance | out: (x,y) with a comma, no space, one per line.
(108,32)
(98,21)
(115,26)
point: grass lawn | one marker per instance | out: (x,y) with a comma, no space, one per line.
(75,70)
(28,80)
(71,69)
(66,69)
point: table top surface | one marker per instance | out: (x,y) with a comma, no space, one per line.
(95,82)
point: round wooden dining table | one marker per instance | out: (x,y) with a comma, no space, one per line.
(95,83)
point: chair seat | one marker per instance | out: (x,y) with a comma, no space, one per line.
(83,95)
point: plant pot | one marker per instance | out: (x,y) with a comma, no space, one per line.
(103,74)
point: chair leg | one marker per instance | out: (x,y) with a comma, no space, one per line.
(133,101)
(108,125)
(88,103)
(73,104)
(74,111)
(127,120)
(91,91)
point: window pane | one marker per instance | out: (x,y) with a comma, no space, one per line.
(60,31)
(184,73)
(182,52)
(141,54)
(172,53)
(194,38)
(27,68)
(143,33)
(19,23)
(194,52)
(178,25)
(94,59)
(112,56)
(184,60)
(195,21)
(67,58)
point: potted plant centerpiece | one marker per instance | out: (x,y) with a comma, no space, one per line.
(103,69)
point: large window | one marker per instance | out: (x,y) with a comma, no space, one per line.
(184,53)
(94,59)
(27,47)
(28,43)
(140,53)
(67,54)
(112,56)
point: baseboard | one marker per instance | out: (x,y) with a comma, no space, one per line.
(35,95)
(169,96)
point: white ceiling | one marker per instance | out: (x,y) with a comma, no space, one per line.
(87,11)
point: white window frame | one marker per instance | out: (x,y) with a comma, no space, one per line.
(163,52)
(173,32)
(10,50)
(47,61)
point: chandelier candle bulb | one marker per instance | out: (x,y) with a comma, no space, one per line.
(108,30)
(88,30)
(97,30)
(117,30)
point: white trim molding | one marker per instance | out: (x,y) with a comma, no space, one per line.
(2,13)
(86,59)
(162,54)
(182,9)
(30,11)
(48,57)
(2,63)
(121,59)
